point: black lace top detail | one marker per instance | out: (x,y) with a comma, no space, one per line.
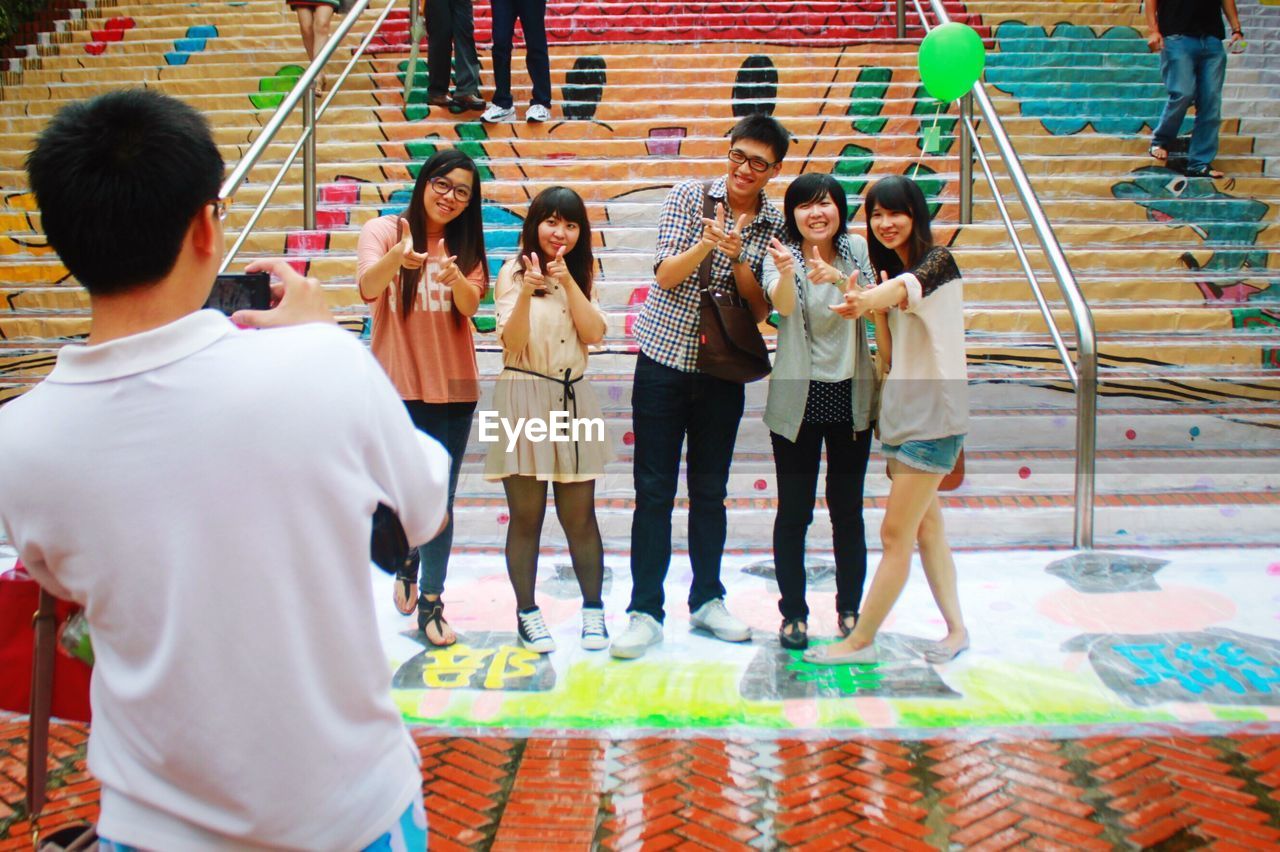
(936,268)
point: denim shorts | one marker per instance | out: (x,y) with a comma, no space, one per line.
(937,455)
(408,833)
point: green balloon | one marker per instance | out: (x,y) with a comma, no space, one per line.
(951,60)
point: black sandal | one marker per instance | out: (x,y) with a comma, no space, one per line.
(1151,152)
(842,622)
(432,612)
(405,594)
(794,634)
(1205,172)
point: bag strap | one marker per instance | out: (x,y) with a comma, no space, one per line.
(708,212)
(45,623)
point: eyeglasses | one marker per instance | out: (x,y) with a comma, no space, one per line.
(758,164)
(220,207)
(444,186)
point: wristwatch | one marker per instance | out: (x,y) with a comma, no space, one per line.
(1238,32)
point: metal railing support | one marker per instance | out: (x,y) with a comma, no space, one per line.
(901,15)
(966,161)
(309,159)
(1086,364)
(416,30)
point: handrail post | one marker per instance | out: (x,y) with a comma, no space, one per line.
(966,160)
(902,18)
(415,37)
(309,159)
(1086,440)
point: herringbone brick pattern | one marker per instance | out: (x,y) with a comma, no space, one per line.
(1163,793)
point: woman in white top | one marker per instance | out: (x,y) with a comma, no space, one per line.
(547,317)
(924,411)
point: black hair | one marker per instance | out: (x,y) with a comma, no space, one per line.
(464,236)
(765,130)
(808,188)
(118,179)
(563,203)
(898,194)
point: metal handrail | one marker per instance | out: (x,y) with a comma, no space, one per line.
(303,92)
(1084,372)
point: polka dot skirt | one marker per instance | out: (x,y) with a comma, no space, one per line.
(829,402)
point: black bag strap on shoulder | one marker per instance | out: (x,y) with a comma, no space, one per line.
(708,212)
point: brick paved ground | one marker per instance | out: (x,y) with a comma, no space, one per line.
(1168,793)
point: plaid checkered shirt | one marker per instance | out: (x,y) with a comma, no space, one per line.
(667,328)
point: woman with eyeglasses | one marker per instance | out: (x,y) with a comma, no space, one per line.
(424,272)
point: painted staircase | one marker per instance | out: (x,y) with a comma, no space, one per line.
(1183,275)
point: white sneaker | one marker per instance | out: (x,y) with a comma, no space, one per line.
(533,632)
(712,616)
(494,114)
(538,113)
(595,636)
(643,631)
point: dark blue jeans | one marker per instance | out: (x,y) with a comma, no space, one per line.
(666,406)
(450,424)
(533,21)
(1193,68)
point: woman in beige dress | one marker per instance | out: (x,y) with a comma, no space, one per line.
(549,426)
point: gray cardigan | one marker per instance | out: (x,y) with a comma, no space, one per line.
(793,363)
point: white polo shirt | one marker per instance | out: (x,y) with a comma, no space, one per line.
(206,493)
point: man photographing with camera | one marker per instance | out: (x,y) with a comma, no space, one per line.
(205,492)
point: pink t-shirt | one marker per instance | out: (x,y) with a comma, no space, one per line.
(430,354)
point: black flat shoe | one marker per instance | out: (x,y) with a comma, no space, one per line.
(794,634)
(846,620)
(1205,172)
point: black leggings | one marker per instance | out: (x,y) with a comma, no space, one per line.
(797,466)
(576,509)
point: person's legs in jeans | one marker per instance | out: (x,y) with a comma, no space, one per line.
(660,413)
(450,424)
(1177,67)
(504,30)
(713,430)
(440,36)
(465,60)
(847,455)
(1211,71)
(796,463)
(533,22)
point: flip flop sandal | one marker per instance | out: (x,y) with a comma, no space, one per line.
(406,594)
(1205,172)
(434,614)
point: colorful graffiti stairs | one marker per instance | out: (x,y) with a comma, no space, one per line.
(1182,274)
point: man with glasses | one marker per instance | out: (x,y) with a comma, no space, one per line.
(670,399)
(205,492)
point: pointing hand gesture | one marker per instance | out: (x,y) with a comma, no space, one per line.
(534,282)
(821,272)
(783,260)
(558,269)
(409,258)
(449,274)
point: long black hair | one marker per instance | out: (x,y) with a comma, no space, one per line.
(811,187)
(899,195)
(563,203)
(464,236)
